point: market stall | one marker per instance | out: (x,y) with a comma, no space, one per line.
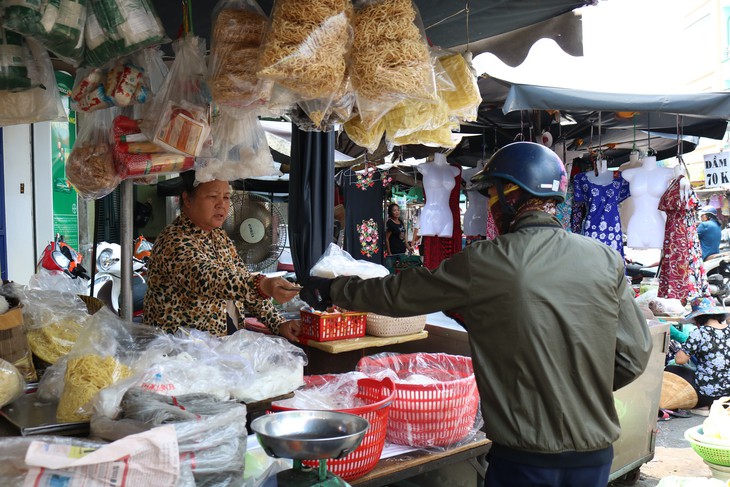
(124,381)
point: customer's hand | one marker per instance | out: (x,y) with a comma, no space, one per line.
(280,289)
(316,292)
(290,330)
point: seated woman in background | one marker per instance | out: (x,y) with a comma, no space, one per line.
(709,344)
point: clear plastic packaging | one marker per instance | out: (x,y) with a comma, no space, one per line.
(179,117)
(52,320)
(305,46)
(238,29)
(360,134)
(116,28)
(336,262)
(57,24)
(336,391)
(13,62)
(122,85)
(246,366)
(100,357)
(90,166)
(41,101)
(12,383)
(211,433)
(390,58)
(240,149)
(135,156)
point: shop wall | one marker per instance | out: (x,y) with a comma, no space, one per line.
(19,216)
(43,178)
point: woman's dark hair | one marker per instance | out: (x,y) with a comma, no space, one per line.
(188,183)
(390,208)
(702,319)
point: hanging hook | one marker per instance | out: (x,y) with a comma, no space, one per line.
(649,150)
(466,9)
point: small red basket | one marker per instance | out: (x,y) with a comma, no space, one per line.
(379,395)
(426,415)
(324,327)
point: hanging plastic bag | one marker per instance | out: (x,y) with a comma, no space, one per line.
(14,58)
(90,166)
(336,262)
(326,113)
(122,85)
(41,101)
(240,149)
(135,156)
(57,24)
(116,28)
(238,29)
(179,116)
(390,57)
(360,134)
(305,46)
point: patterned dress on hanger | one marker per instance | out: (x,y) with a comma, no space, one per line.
(565,209)
(682,275)
(602,221)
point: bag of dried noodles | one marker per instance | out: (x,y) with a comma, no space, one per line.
(305,46)
(390,59)
(238,29)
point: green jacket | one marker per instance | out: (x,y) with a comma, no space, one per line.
(553,329)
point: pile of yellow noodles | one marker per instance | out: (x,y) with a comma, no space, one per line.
(390,59)
(305,46)
(463,102)
(85,376)
(362,135)
(51,342)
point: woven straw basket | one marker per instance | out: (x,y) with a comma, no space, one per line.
(677,393)
(387,326)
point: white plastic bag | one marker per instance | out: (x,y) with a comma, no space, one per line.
(336,262)
(717,424)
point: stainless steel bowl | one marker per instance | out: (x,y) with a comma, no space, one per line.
(309,435)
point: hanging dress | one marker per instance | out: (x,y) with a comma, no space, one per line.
(364,223)
(682,274)
(602,220)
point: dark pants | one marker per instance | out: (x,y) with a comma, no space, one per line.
(505,473)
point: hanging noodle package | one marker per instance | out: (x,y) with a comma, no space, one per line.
(305,46)
(238,29)
(390,57)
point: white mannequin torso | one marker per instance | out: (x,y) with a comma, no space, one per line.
(477,211)
(647,184)
(602,179)
(438,181)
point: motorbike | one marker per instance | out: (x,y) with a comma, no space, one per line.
(59,256)
(638,272)
(718,277)
(108,278)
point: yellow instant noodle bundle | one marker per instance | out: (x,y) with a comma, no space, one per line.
(51,342)
(465,99)
(387,68)
(411,116)
(11,383)
(85,376)
(305,46)
(367,137)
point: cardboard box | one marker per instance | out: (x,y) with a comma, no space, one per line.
(13,342)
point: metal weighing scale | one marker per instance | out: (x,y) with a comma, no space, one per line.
(309,435)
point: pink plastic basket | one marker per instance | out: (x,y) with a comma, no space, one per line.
(426,415)
(379,395)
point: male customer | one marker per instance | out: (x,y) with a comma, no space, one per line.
(552,325)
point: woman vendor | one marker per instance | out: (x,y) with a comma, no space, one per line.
(195,277)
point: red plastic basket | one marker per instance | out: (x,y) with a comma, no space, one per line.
(426,415)
(332,326)
(379,395)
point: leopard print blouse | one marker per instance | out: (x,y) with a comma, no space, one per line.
(192,274)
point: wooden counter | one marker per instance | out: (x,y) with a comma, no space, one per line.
(401,467)
(367,341)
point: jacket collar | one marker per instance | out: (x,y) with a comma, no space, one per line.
(535,218)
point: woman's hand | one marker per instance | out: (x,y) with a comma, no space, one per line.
(290,330)
(280,289)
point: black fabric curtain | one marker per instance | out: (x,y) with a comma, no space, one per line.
(311,197)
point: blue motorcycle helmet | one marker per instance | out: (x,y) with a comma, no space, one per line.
(531,166)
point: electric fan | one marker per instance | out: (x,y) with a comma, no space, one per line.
(257,228)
